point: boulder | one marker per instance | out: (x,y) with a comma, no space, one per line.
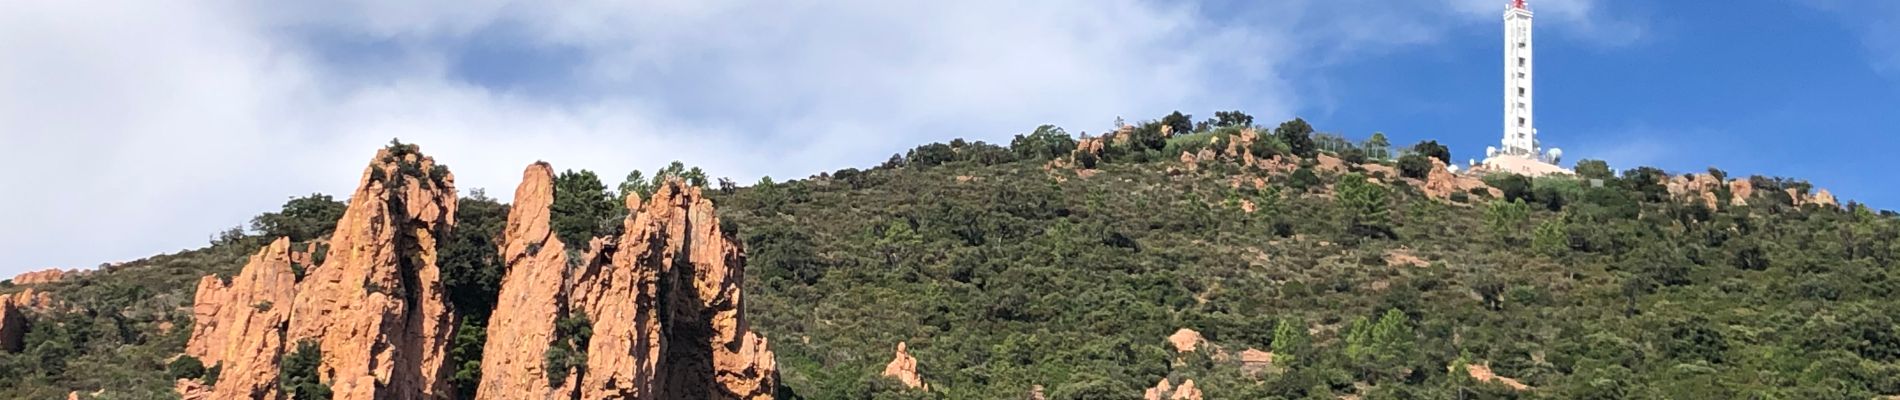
(1740,191)
(1191,162)
(1439,183)
(903,367)
(533,294)
(1185,340)
(376,307)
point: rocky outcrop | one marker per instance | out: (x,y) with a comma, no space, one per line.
(665,300)
(533,293)
(32,300)
(1699,188)
(1238,149)
(1820,197)
(1190,162)
(1167,391)
(1254,360)
(903,367)
(49,275)
(1740,191)
(376,307)
(1185,340)
(12,326)
(240,325)
(191,389)
(1482,373)
(1440,183)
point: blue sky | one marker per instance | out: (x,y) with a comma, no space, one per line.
(138,128)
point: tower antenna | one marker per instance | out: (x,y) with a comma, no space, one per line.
(1519,4)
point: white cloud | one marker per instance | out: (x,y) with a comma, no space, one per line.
(137,128)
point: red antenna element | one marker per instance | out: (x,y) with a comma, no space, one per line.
(1519,4)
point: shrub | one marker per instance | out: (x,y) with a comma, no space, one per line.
(1046,142)
(583,208)
(1431,148)
(1178,123)
(186,367)
(1513,186)
(1594,169)
(298,375)
(1364,206)
(1414,166)
(1302,179)
(569,350)
(1298,137)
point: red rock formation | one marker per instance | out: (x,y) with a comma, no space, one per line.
(1166,391)
(1482,373)
(1740,191)
(904,368)
(376,306)
(1253,360)
(48,275)
(671,252)
(1185,340)
(33,300)
(191,389)
(533,294)
(1189,161)
(240,325)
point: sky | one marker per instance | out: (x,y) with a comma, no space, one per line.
(135,128)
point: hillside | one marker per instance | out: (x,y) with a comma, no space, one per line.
(1300,265)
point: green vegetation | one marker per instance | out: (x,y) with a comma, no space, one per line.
(302,219)
(583,208)
(1023,276)
(298,377)
(568,352)
(187,367)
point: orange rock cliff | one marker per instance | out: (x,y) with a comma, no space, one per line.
(663,298)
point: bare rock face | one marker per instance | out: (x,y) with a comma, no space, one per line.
(376,307)
(1482,373)
(1185,340)
(1166,391)
(191,389)
(12,326)
(1740,191)
(33,300)
(904,368)
(533,294)
(240,325)
(666,303)
(49,275)
(1440,183)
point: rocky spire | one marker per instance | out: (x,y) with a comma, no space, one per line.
(533,294)
(376,306)
(666,306)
